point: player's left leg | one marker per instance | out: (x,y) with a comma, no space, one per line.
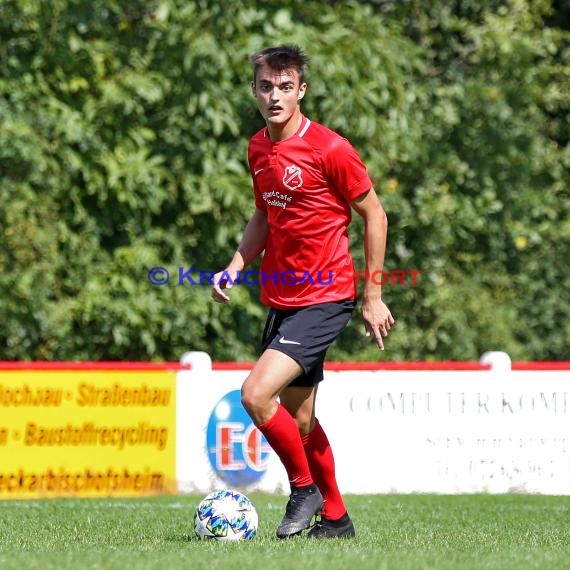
(335,521)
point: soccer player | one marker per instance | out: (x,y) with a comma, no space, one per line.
(306,178)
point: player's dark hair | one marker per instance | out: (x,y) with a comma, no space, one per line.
(279,58)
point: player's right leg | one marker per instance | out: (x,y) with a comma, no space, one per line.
(271,374)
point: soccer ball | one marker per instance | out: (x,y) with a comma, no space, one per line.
(226,515)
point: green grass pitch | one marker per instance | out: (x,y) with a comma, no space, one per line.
(399,532)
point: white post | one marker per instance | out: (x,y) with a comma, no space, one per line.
(499,361)
(198,361)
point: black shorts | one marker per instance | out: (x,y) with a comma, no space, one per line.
(305,335)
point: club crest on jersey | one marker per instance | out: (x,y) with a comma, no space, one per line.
(292,178)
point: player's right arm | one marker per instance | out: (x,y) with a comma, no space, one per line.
(251,245)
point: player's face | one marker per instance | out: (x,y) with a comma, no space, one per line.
(278,94)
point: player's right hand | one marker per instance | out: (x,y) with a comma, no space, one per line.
(222,281)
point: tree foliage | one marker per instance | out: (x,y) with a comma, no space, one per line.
(123,139)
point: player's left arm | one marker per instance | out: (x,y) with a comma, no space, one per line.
(375,314)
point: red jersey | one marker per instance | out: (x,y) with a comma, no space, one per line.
(305,184)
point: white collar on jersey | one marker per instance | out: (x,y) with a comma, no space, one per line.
(301,133)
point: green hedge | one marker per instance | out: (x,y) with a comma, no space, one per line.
(123,136)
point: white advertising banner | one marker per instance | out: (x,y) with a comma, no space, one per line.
(443,431)
(449,431)
(217,444)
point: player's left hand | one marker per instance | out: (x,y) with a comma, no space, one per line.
(378,320)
